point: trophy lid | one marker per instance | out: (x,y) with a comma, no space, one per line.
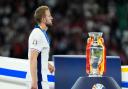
(95,34)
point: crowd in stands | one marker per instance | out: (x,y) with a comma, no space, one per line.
(73,19)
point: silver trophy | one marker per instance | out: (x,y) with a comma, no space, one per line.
(95,66)
(96,54)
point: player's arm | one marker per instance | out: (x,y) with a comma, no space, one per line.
(33,67)
(51,68)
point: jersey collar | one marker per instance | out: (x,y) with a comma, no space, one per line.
(43,29)
(45,33)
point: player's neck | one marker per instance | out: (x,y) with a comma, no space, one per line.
(43,26)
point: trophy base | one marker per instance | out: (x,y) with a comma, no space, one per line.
(94,75)
(95,83)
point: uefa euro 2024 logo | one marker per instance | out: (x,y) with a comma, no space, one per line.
(98,86)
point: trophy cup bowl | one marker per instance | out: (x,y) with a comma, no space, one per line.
(95,61)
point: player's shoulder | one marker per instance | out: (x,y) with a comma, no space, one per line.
(35,32)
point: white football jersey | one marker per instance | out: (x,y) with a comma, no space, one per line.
(39,40)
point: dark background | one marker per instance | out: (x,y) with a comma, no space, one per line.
(73,19)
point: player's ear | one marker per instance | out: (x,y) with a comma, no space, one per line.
(43,20)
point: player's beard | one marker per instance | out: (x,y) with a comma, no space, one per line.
(49,23)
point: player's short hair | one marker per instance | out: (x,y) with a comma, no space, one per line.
(39,13)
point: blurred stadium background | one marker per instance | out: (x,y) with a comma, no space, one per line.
(73,19)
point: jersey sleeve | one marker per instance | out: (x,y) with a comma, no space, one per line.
(35,41)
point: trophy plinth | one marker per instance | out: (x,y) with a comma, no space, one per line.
(95,83)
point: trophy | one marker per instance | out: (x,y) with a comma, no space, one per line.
(96,56)
(95,66)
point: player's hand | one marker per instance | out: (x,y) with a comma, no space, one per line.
(51,68)
(34,85)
